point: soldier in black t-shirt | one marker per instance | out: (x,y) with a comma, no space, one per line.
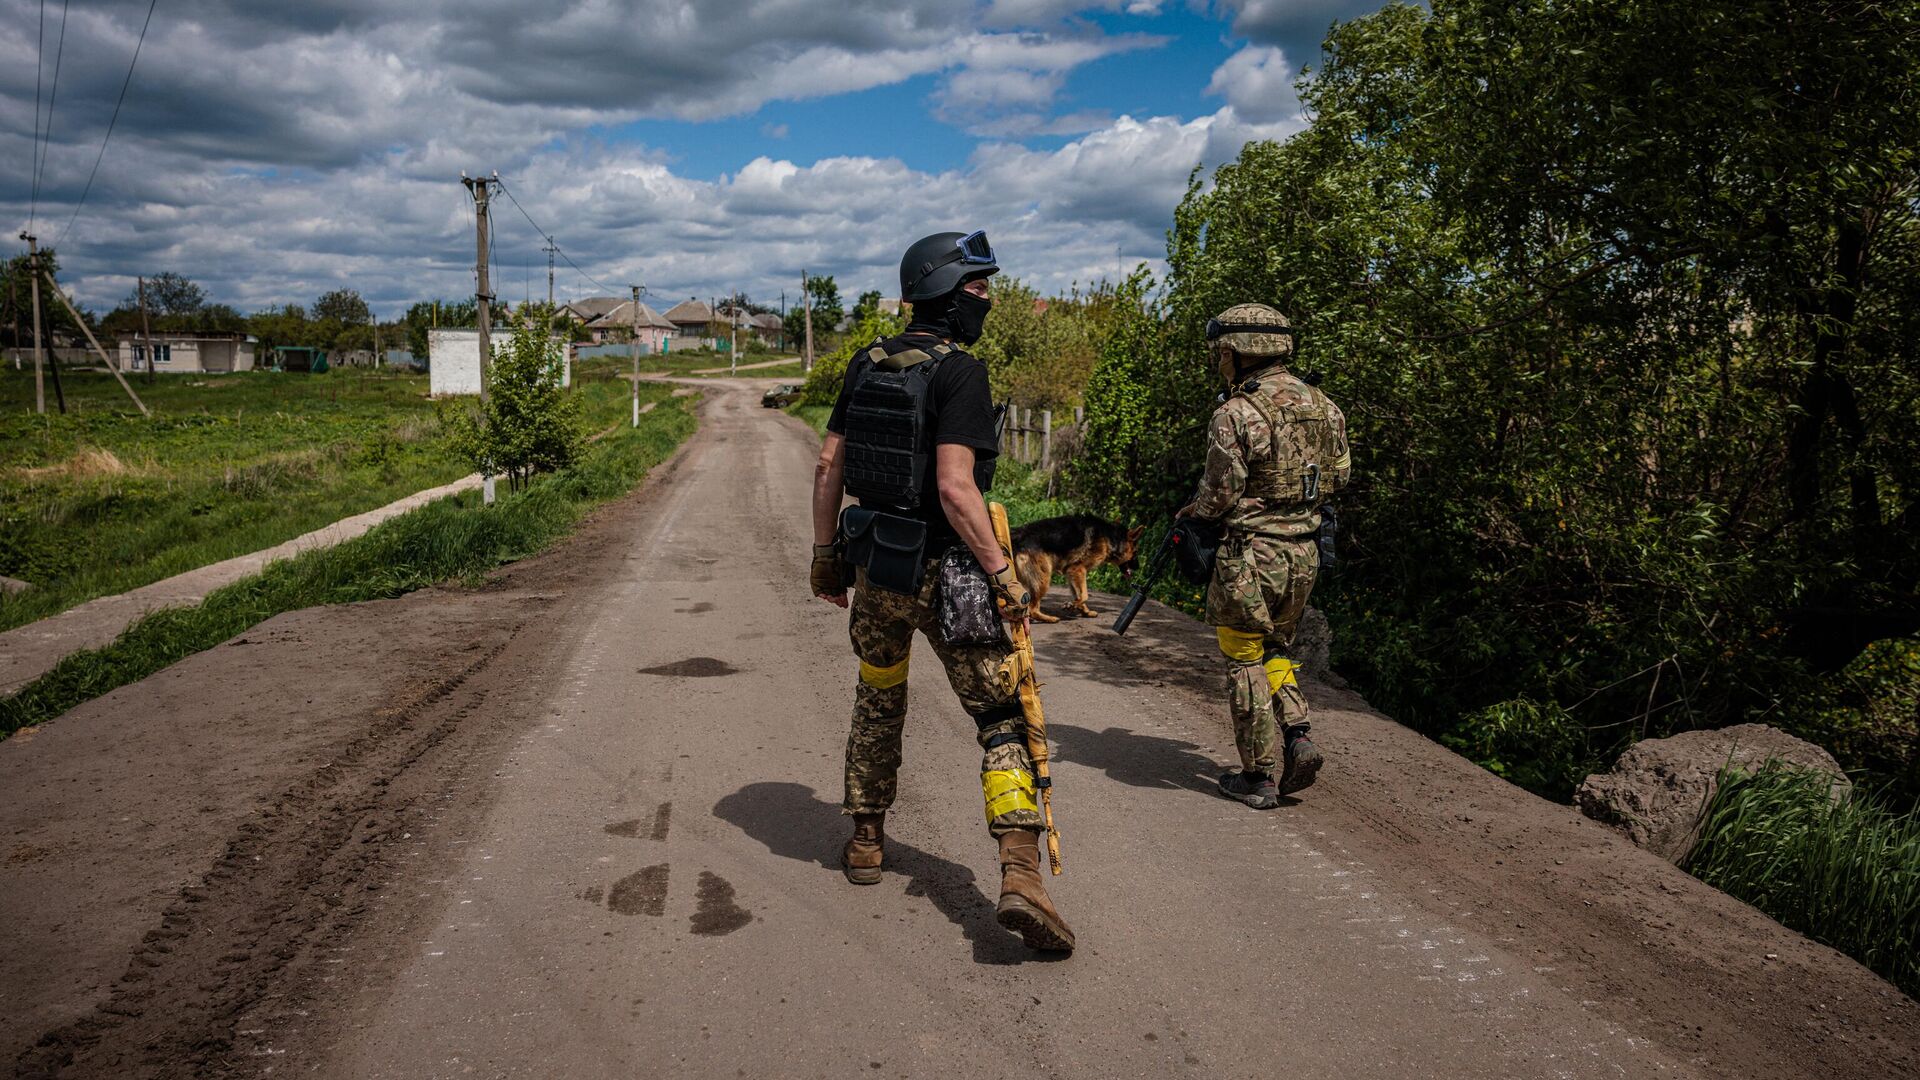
(937,482)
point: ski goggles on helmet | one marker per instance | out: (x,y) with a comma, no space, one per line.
(972,248)
(1217,329)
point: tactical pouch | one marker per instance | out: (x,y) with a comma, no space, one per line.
(968,615)
(891,549)
(1195,545)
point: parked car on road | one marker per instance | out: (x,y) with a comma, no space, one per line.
(781,396)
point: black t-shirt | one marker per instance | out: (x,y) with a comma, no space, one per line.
(960,409)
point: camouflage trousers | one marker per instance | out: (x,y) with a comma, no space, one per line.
(1256,598)
(882,626)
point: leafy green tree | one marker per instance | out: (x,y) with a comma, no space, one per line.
(1625,336)
(427,314)
(169,293)
(343,306)
(530,423)
(1040,351)
(866,306)
(823,295)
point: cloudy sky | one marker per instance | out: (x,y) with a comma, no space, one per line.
(272,151)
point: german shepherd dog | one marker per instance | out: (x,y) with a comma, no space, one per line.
(1070,546)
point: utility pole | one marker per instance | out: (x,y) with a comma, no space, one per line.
(551,248)
(806,313)
(482,188)
(633,346)
(733,333)
(39,350)
(146,332)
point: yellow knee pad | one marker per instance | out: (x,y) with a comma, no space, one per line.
(1008,790)
(884,678)
(1280,672)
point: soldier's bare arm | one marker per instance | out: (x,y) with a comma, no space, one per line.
(966,508)
(827,486)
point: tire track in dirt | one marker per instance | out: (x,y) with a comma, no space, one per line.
(256,938)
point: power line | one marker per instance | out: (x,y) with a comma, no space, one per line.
(39,64)
(53,91)
(597,283)
(128,81)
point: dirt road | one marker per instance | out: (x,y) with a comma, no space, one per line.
(583,822)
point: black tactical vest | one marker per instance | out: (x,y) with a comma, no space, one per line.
(889,430)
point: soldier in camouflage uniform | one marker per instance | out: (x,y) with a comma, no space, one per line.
(1276,449)
(944,277)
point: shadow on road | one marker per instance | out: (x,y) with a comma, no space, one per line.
(796,824)
(1162,649)
(1148,761)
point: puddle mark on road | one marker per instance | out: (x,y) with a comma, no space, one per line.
(662,821)
(643,892)
(594,894)
(623,828)
(696,667)
(700,608)
(717,913)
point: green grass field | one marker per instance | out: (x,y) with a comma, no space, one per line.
(102,500)
(447,539)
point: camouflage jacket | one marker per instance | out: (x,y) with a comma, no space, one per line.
(1276,450)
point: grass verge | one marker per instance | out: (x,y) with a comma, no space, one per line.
(451,538)
(1845,873)
(102,500)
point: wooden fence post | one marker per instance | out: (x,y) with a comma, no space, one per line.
(1046,438)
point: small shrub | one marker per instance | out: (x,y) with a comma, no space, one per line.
(1846,872)
(529,423)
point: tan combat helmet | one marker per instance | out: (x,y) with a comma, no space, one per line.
(1254,331)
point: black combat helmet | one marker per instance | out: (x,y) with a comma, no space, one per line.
(936,265)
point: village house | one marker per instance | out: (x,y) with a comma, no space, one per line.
(619,324)
(189,350)
(691,319)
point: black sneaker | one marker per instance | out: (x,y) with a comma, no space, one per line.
(1303,761)
(1255,789)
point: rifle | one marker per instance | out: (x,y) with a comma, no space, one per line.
(1189,544)
(1030,699)
(1156,566)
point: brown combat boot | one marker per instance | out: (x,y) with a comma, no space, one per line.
(864,853)
(1024,906)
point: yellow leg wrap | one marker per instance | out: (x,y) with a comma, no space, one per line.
(1008,790)
(1280,673)
(1241,646)
(884,678)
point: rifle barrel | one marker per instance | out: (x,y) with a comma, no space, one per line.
(1126,615)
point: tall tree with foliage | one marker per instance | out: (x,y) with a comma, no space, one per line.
(1625,336)
(169,293)
(823,296)
(343,306)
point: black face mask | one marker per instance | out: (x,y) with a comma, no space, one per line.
(968,317)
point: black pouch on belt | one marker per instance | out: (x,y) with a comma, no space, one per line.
(891,549)
(1196,544)
(968,615)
